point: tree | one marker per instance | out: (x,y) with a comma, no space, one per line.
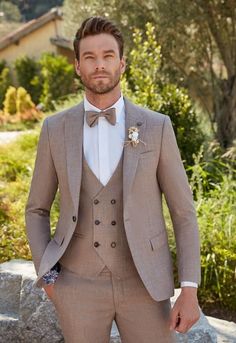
(150,88)
(9,12)
(31,9)
(198,43)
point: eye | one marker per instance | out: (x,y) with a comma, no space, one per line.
(108,56)
(87,57)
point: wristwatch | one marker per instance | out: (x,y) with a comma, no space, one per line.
(51,276)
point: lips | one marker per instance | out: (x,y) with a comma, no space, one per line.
(100,77)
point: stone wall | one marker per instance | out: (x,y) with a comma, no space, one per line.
(27,315)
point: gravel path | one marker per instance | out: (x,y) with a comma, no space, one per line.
(9,136)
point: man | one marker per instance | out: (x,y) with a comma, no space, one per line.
(112,160)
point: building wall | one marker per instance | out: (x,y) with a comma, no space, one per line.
(33,44)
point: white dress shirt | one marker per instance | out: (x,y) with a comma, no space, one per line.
(103,146)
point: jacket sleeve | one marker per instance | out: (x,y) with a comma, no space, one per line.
(43,189)
(173,182)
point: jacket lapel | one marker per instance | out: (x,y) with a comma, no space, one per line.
(133,117)
(74,145)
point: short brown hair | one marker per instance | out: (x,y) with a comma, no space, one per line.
(94,26)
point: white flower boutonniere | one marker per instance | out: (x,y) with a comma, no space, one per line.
(133,136)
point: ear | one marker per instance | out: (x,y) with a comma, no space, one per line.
(122,64)
(77,67)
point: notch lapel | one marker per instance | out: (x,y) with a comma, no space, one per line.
(133,116)
(74,145)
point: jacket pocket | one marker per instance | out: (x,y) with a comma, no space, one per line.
(158,240)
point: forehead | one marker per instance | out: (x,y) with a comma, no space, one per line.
(98,43)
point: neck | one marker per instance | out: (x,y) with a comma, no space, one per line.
(103,101)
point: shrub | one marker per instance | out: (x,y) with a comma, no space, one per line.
(149,87)
(28,76)
(57,76)
(23,101)
(18,106)
(17,160)
(217,221)
(10,101)
(5,81)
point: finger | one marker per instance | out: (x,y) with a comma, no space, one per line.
(183,325)
(174,319)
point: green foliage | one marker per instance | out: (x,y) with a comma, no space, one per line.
(217,220)
(10,101)
(31,9)
(17,160)
(28,76)
(23,101)
(57,76)
(150,89)
(10,12)
(5,81)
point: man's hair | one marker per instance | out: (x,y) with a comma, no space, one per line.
(94,26)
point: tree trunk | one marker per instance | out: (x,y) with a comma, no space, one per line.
(226,115)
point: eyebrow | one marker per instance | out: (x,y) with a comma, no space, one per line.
(91,53)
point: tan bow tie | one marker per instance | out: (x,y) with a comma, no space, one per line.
(109,114)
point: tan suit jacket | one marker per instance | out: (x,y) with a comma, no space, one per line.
(149,171)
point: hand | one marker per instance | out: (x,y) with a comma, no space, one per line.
(185,311)
(49,290)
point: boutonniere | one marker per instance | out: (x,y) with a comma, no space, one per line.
(133,136)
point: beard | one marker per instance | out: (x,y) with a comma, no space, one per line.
(101,87)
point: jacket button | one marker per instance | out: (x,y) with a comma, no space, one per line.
(113,244)
(97,222)
(96,244)
(96,201)
(113,201)
(74,218)
(113,222)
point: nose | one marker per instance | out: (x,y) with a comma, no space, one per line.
(99,65)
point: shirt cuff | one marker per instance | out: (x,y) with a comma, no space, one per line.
(189,284)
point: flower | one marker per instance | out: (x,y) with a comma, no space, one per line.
(133,135)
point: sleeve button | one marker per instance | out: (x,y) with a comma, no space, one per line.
(74,218)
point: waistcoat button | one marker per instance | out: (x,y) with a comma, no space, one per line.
(74,218)
(97,222)
(113,222)
(113,201)
(96,201)
(96,244)
(113,244)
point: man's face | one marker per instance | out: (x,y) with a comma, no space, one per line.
(100,66)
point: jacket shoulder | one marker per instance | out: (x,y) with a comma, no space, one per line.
(56,120)
(152,117)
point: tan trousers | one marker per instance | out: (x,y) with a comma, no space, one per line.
(86,308)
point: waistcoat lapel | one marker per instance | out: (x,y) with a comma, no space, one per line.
(74,143)
(133,117)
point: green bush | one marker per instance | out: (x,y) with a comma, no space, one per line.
(23,101)
(5,81)
(10,101)
(58,77)
(216,209)
(17,160)
(150,88)
(28,76)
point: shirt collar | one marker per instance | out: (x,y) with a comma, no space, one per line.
(119,106)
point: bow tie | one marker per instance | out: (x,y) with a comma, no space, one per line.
(109,114)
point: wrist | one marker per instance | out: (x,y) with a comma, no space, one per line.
(187,290)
